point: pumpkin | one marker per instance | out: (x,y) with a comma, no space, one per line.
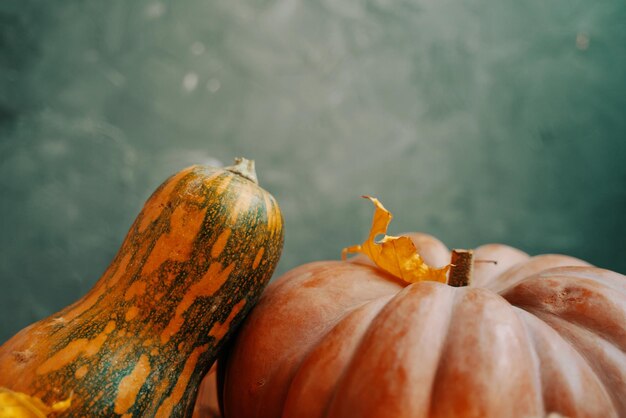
(193,263)
(526,337)
(207,403)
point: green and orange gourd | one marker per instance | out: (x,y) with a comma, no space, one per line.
(138,344)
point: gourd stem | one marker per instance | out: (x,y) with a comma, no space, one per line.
(244,168)
(461,268)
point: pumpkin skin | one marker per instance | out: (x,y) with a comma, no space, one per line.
(343,339)
(193,263)
(207,403)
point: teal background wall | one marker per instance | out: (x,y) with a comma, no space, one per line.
(477,121)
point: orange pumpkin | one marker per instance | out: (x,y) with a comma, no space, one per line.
(207,403)
(341,339)
(193,263)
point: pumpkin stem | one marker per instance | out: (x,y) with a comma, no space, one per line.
(244,168)
(461,268)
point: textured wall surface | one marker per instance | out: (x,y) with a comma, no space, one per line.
(477,121)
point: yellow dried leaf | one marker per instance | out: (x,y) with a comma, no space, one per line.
(20,405)
(395,255)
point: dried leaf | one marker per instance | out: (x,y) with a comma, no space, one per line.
(20,405)
(395,255)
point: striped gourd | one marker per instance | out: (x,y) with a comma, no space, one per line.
(192,265)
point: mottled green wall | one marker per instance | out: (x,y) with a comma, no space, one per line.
(477,121)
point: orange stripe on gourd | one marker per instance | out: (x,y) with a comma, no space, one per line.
(74,349)
(268,211)
(166,408)
(221,187)
(131,313)
(185,223)
(130,385)
(158,201)
(120,270)
(257,259)
(242,204)
(218,330)
(220,243)
(63,357)
(212,280)
(138,288)
(81,372)
(274,217)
